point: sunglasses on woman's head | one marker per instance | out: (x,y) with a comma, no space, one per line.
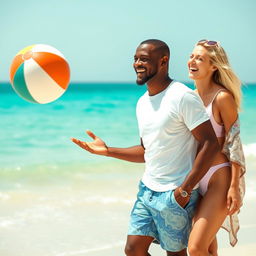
(208,42)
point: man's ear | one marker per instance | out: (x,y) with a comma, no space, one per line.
(164,61)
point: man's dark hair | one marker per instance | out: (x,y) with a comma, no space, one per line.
(160,46)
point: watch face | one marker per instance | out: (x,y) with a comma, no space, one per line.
(184,194)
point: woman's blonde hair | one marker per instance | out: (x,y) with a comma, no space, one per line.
(224,75)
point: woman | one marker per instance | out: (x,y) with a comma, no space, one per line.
(222,188)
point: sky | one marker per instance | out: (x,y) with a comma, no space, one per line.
(99,37)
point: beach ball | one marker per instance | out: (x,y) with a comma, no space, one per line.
(39,73)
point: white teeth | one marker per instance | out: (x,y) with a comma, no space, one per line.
(140,70)
(193,69)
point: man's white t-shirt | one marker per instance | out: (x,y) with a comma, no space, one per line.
(165,122)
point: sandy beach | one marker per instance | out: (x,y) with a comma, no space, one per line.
(240,250)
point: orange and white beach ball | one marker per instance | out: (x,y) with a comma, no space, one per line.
(39,73)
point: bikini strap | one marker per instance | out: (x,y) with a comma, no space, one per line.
(216,95)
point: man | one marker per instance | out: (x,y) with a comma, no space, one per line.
(172,122)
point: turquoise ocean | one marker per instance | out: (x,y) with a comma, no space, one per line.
(58,200)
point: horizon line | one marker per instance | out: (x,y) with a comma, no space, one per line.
(126,82)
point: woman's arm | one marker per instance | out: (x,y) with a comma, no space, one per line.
(228,112)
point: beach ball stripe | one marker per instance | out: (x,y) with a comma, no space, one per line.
(26,49)
(39,73)
(20,85)
(54,66)
(17,61)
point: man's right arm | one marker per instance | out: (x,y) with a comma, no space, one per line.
(208,148)
(131,154)
(98,147)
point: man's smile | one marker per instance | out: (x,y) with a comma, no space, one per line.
(140,70)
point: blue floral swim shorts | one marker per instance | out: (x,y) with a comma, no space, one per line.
(157,214)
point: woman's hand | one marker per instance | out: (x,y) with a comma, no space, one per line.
(234,200)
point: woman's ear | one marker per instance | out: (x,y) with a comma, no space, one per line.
(214,68)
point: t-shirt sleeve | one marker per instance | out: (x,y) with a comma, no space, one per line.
(192,110)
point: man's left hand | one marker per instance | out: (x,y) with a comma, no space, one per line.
(182,201)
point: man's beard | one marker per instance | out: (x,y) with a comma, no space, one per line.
(144,79)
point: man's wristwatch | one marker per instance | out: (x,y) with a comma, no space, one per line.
(183,193)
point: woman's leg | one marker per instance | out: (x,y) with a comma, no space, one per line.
(213,248)
(211,213)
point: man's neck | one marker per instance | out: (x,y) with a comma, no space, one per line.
(157,86)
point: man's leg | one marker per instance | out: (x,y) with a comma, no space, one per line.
(138,245)
(180,253)
(173,222)
(142,230)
